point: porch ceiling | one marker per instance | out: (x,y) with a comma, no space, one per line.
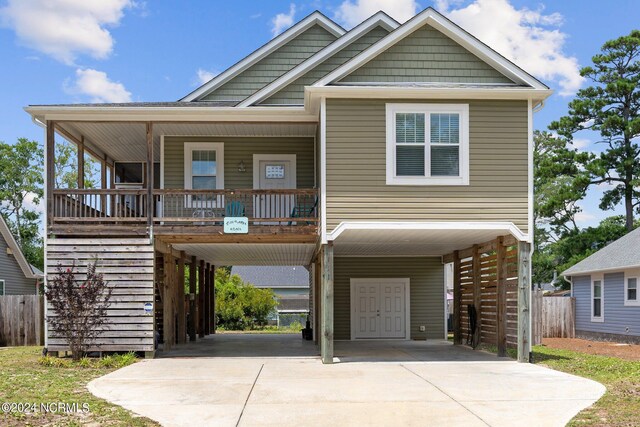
(220,254)
(425,239)
(127,141)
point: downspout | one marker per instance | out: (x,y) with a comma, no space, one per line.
(539,106)
(569,282)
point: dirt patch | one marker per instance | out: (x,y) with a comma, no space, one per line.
(602,348)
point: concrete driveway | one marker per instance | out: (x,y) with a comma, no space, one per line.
(375,384)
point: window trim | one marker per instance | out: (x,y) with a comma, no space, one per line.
(189,147)
(628,302)
(3,287)
(393,109)
(597,278)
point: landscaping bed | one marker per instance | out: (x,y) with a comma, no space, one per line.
(28,379)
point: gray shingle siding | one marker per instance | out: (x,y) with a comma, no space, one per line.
(617,316)
(14,281)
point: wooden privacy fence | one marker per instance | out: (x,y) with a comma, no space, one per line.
(21,320)
(552,317)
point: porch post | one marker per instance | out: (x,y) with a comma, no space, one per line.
(326,337)
(501,298)
(207,299)
(192,301)
(51,173)
(477,296)
(80,153)
(167,306)
(149,204)
(524,301)
(457,300)
(182,328)
(212,290)
(201,299)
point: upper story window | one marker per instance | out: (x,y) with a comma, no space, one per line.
(203,169)
(597,299)
(631,291)
(427,144)
(1,287)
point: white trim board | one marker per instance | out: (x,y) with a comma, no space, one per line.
(277,42)
(379,19)
(291,158)
(439,22)
(407,298)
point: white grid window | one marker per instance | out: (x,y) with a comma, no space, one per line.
(597,300)
(631,296)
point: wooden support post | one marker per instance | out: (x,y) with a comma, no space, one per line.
(103,185)
(326,337)
(524,301)
(201,317)
(207,299)
(212,290)
(167,306)
(501,297)
(457,300)
(192,300)
(182,317)
(80,153)
(477,295)
(149,204)
(51,170)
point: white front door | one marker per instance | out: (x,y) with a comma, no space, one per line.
(274,172)
(379,308)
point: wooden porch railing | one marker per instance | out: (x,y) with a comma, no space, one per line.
(185,207)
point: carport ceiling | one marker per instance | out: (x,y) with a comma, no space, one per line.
(220,254)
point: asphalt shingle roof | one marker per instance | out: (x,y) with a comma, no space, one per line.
(620,254)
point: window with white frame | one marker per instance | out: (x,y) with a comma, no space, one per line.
(597,299)
(203,170)
(1,287)
(427,144)
(631,291)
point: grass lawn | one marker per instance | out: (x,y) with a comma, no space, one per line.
(620,406)
(27,377)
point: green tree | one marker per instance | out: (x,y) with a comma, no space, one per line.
(611,107)
(66,167)
(21,189)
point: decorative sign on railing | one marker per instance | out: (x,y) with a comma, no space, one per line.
(236,225)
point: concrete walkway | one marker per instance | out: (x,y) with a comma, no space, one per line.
(376,384)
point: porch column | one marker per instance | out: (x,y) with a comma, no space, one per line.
(80,153)
(201,299)
(212,290)
(149,204)
(50,170)
(457,300)
(182,320)
(167,306)
(207,299)
(524,301)
(477,297)
(501,297)
(326,337)
(192,299)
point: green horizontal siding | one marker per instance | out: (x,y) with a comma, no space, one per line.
(426,276)
(273,66)
(356,168)
(293,94)
(238,149)
(426,55)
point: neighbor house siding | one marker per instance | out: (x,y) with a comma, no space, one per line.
(427,55)
(14,281)
(293,93)
(617,316)
(238,149)
(356,168)
(273,66)
(426,276)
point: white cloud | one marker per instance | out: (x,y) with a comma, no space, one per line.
(64,29)
(283,20)
(205,75)
(97,85)
(581,143)
(528,37)
(351,13)
(584,218)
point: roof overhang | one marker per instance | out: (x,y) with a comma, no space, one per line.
(415,238)
(26,268)
(569,273)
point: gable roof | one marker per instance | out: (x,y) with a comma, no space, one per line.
(621,254)
(458,34)
(28,270)
(378,19)
(316,18)
(273,276)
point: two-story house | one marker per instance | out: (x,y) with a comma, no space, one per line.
(374,156)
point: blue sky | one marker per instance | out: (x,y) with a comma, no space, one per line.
(70,51)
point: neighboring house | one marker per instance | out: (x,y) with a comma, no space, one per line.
(606,288)
(372,156)
(17,276)
(290,285)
